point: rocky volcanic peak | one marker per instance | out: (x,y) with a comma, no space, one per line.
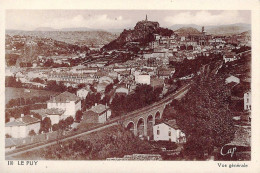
(146,25)
(142,32)
(142,29)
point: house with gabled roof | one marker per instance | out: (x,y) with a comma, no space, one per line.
(99,112)
(20,127)
(168,131)
(83,92)
(229,57)
(66,101)
(9,144)
(54,114)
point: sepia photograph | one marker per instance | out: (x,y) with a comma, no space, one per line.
(110,85)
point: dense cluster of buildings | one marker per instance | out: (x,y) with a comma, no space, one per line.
(151,65)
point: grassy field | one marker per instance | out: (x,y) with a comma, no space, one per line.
(13,93)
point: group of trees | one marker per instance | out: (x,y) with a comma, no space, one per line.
(241,49)
(62,125)
(60,87)
(204,116)
(144,95)
(26,101)
(10,81)
(38,80)
(17,111)
(25,64)
(55,86)
(91,100)
(45,125)
(187,67)
(51,63)
(78,116)
(32,133)
(184,47)
(108,88)
(11,59)
(113,142)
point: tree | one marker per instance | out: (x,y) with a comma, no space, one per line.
(90,100)
(36,115)
(55,127)
(92,88)
(115,81)
(45,125)
(11,82)
(69,121)
(105,100)
(118,105)
(79,115)
(97,98)
(54,86)
(72,90)
(62,125)
(144,95)
(38,80)
(82,85)
(204,116)
(8,136)
(11,59)
(108,88)
(48,63)
(32,133)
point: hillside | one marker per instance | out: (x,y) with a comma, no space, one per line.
(246,33)
(187,30)
(216,29)
(179,26)
(142,33)
(228,29)
(71,37)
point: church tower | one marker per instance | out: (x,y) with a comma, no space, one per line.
(203,31)
(146,17)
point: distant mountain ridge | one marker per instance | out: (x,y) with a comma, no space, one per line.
(88,36)
(211,29)
(217,29)
(71,37)
(187,30)
(45,29)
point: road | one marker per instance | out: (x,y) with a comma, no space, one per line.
(10,156)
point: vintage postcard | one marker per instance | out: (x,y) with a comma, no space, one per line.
(130,84)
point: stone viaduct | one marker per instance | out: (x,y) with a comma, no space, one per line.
(141,121)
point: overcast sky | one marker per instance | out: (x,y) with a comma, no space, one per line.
(118,19)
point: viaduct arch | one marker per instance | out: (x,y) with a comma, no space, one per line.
(141,121)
